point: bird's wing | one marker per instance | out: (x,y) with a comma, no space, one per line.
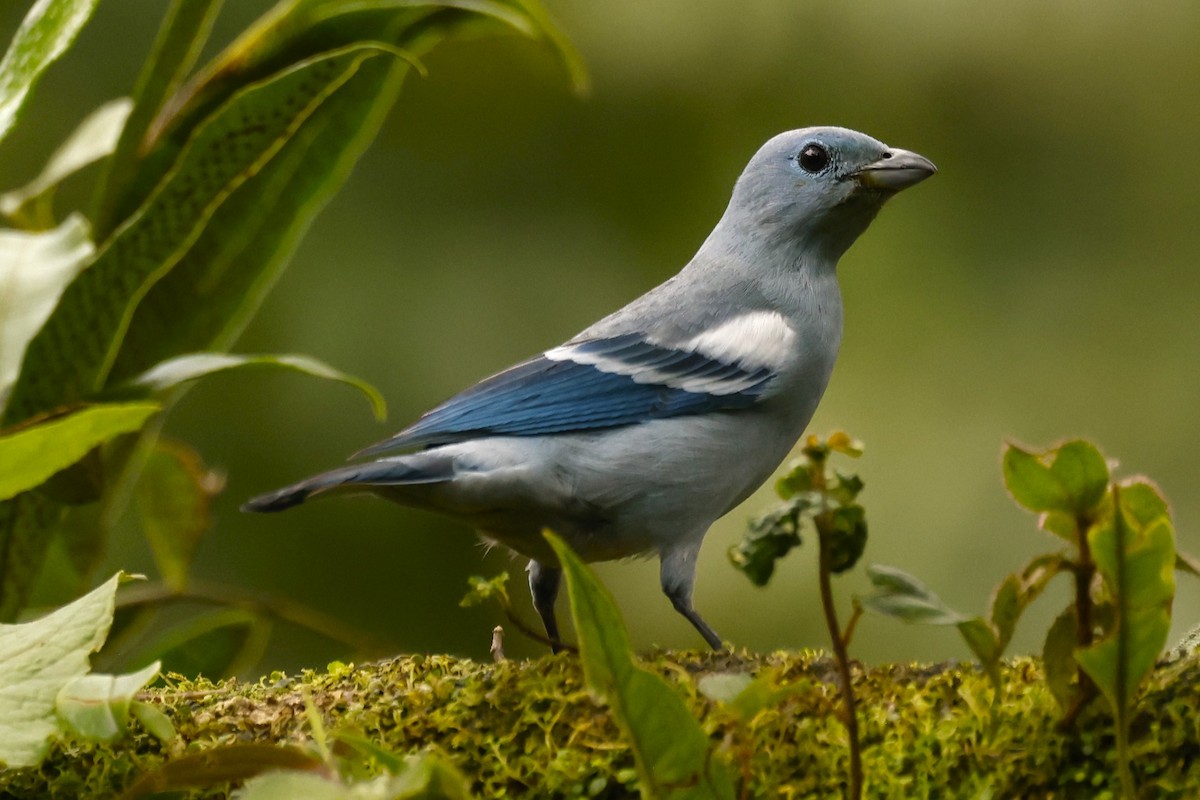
(593,384)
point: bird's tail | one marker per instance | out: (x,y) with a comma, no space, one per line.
(407,470)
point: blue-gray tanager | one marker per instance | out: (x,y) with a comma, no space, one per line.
(634,436)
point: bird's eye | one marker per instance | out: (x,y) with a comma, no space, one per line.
(814,158)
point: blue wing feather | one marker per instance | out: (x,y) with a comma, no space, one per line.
(544,396)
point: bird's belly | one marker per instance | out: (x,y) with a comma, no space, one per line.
(621,493)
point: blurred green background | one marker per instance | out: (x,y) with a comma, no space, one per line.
(1043,285)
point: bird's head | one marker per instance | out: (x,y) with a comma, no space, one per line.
(820,187)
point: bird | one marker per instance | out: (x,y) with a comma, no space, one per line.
(634,436)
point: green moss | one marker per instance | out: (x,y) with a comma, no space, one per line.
(530,729)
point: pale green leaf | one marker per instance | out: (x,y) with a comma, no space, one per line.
(744,695)
(421,777)
(45,34)
(170,374)
(96,706)
(34,270)
(36,660)
(94,139)
(673,755)
(900,595)
(724,686)
(33,454)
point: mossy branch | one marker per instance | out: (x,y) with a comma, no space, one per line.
(530,728)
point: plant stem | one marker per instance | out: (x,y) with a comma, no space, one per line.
(1085,571)
(840,656)
(157,594)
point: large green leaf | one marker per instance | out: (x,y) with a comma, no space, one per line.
(674,756)
(45,34)
(31,455)
(208,298)
(94,139)
(37,659)
(72,354)
(34,270)
(182,36)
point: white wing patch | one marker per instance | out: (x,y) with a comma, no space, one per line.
(757,339)
(749,344)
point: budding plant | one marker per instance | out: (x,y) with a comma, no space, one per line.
(1120,556)
(817,498)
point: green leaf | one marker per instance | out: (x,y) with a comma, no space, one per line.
(217,644)
(366,750)
(797,480)
(217,765)
(770,538)
(153,721)
(673,755)
(224,153)
(900,595)
(483,590)
(245,247)
(423,777)
(1005,609)
(1137,562)
(96,706)
(174,495)
(1143,501)
(1138,567)
(181,369)
(180,39)
(45,34)
(847,537)
(33,454)
(1058,657)
(1031,482)
(982,640)
(94,139)
(34,270)
(1071,477)
(745,696)
(1083,473)
(1061,524)
(39,658)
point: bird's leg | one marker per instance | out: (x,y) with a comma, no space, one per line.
(543,588)
(678,574)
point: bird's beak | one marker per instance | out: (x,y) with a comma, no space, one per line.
(898,169)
